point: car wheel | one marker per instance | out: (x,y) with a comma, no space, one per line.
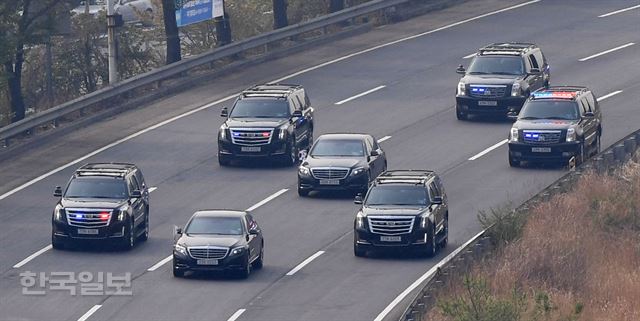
(56,243)
(597,147)
(246,269)
(145,235)
(580,156)
(259,263)
(431,247)
(445,239)
(130,237)
(223,160)
(291,157)
(461,115)
(177,272)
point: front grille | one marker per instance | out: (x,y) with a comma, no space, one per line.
(88,217)
(541,137)
(487,91)
(330,173)
(208,252)
(251,136)
(391,225)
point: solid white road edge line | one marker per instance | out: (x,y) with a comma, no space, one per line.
(383,139)
(421,279)
(304,263)
(618,11)
(609,95)
(32,256)
(607,51)
(120,141)
(486,151)
(360,95)
(469,56)
(236,315)
(90,312)
(264,201)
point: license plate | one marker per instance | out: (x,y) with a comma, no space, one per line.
(252,149)
(207,262)
(541,149)
(487,103)
(88,231)
(390,238)
(329,182)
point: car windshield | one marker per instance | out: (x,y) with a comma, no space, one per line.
(496,65)
(547,109)
(338,147)
(397,195)
(260,108)
(97,188)
(215,225)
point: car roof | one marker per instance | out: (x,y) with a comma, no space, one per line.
(219,213)
(559,93)
(344,136)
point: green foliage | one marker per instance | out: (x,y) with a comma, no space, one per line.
(506,224)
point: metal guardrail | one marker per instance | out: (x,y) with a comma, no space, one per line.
(156,76)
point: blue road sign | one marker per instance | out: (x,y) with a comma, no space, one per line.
(194,11)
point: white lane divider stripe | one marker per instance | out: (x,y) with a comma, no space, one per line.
(486,151)
(423,278)
(607,51)
(90,312)
(469,56)
(383,139)
(609,95)
(268,199)
(152,188)
(32,256)
(304,263)
(618,11)
(360,95)
(236,315)
(161,263)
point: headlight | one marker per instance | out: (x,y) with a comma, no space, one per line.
(515,89)
(514,135)
(360,221)
(571,135)
(223,132)
(122,212)
(58,213)
(357,171)
(180,249)
(461,89)
(238,251)
(282,133)
(304,171)
(424,221)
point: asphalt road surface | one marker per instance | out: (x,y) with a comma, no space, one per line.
(415,61)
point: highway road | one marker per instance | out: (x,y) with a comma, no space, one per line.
(397,83)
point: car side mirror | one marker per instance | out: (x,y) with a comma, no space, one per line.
(177,230)
(302,154)
(358,199)
(136,194)
(534,71)
(512,115)
(224,112)
(57,192)
(297,113)
(437,200)
(461,70)
(375,153)
(589,114)
(253,231)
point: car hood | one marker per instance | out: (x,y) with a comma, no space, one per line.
(256,122)
(394,210)
(491,79)
(92,203)
(210,240)
(549,124)
(328,161)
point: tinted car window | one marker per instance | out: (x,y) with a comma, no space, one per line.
(260,108)
(335,147)
(96,188)
(549,109)
(397,195)
(215,225)
(496,65)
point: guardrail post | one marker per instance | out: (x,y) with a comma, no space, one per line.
(5,143)
(619,153)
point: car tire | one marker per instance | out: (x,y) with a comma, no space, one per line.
(580,158)
(259,263)
(598,145)
(56,243)
(177,272)
(358,250)
(246,269)
(223,161)
(129,240)
(445,239)
(291,155)
(431,247)
(461,115)
(145,235)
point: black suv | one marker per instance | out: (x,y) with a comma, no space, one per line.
(403,208)
(500,78)
(341,162)
(557,124)
(271,120)
(102,201)
(218,240)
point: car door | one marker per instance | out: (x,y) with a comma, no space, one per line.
(372,160)
(297,122)
(544,67)
(438,209)
(144,189)
(137,203)
(254,241)
(381,159)
(589,125)
(536,79)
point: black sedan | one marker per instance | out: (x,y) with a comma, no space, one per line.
(218,240)
(341,162)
